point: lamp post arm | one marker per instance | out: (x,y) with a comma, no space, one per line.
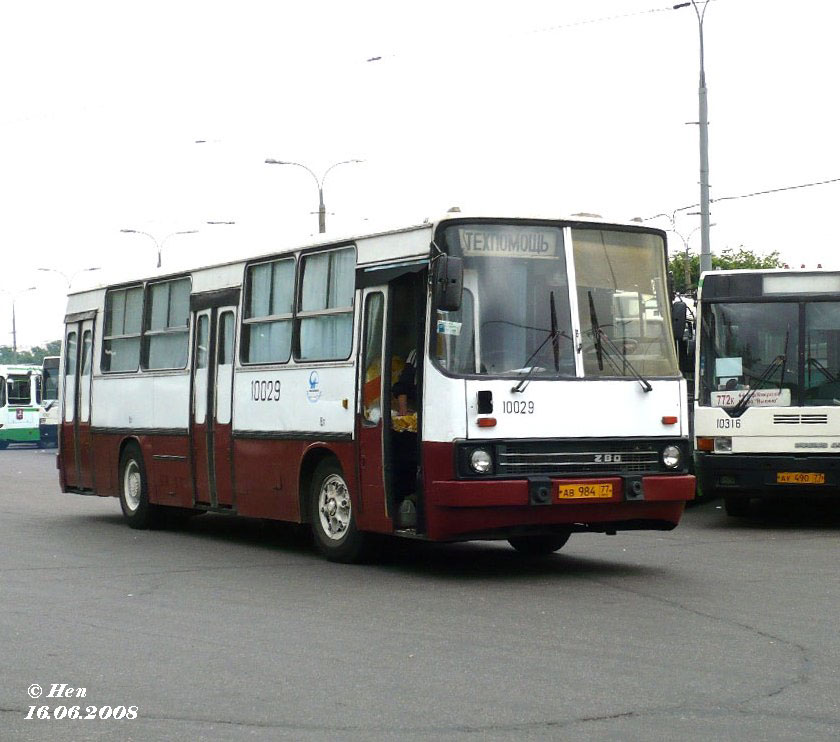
(296,164)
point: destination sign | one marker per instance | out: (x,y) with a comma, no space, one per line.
(488,241)
(759,398)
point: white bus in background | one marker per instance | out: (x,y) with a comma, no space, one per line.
(49,415)
(20,386)
(767,410)
(463,379)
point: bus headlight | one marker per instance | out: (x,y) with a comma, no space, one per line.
(480,461)
(723,444)
(671,457)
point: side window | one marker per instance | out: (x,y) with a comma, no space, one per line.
(70,355)
(225,353)
(2,392)
(325,312)
(123,322)
(267,325)
(202,343)
(167,331)
(86,352)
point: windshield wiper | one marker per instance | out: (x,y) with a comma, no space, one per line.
(606,348)
(555,340)
(780,360)
(596,332)
(822,369)
(739,409)
(554,335)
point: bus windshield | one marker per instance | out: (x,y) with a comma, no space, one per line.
(19,390)
(50,379)
(622,292)
(516,291)
(516,315)
(749,345)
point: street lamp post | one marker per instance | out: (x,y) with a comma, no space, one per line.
(705,249)
(69,278)
(158,243)
(322,210)
(14,296)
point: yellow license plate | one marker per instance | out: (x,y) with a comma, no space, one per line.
(799,477)
(601,490)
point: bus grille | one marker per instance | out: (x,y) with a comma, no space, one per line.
(804,419)
(525,459)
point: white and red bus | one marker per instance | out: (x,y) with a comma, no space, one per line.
(541,399)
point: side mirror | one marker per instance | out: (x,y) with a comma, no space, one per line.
(448,283)
(679,318)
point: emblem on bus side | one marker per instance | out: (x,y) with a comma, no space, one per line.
(313,394)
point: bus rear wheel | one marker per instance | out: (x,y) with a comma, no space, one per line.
(539,545)
(134,490)
(333,520)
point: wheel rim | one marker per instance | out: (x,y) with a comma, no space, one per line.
(132,483)
(334,507)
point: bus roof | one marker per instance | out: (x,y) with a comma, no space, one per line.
(416,248)
(18,368)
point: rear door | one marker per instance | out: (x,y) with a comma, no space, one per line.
(76,439)
(211,417)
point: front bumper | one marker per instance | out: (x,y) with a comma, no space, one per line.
(497,508)
(756,474)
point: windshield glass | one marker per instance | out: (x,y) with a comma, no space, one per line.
(515,293)
(749,345)
(822,353)
(621,289)
(19,390)
(50,382)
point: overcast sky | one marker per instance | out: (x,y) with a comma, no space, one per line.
(515,108)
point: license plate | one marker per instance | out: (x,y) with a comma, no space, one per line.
(799,477)
(602,490)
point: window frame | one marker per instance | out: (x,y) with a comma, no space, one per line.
(104,367)
(296,315)
(301,314)
(246,321)
(148,334)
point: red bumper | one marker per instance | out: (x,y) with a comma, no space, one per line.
(468,507)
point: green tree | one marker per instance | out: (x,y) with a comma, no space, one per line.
(34,355)
(729,259)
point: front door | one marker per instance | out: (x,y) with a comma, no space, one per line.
(211,417)
(77,449)
(372,413)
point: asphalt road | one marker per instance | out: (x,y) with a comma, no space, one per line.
(234,629)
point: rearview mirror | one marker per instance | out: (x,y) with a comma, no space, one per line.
(679,318)
(448,283)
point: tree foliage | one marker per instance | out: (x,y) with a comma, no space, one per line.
(729,259)
(34,355)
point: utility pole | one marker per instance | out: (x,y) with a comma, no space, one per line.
(705,247)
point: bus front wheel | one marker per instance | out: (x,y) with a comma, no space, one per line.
(539,545)
(333,520)
(134,490)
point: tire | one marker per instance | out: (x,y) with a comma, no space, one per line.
(134,490)
(539,545)
(737,507)
(4,445)
(333,519)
